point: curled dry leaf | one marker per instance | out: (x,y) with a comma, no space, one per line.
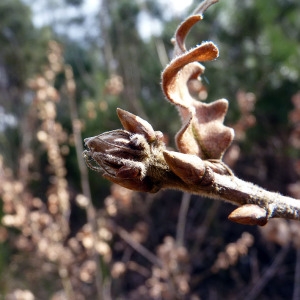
(202,132)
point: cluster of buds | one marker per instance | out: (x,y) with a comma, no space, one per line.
(126,156)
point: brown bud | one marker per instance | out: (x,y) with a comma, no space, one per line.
(136,124)
(249,214)
(124,157)
(118,153)
(190,168)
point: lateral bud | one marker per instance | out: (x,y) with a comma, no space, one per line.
(249,214)
(190,168)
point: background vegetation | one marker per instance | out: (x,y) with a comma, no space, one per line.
(69,234)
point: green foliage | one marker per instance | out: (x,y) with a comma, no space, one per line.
(22,47)
(22,53)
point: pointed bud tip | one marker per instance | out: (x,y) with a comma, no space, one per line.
(136,124)
(87,140)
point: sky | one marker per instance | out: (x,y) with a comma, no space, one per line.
(41,16)
(147,26)
(177,7)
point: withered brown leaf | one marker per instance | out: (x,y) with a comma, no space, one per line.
(203,132)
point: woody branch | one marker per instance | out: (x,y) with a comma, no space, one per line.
(136,157)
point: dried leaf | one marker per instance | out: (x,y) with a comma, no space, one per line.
(182,31)
(203,132)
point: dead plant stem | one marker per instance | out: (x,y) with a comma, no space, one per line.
(270,272)
(296,294)
(138,247)
(181,224)
(90,210)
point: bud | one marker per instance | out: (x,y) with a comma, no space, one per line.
(190,168)
(126,156)
(118,153)
(249,214)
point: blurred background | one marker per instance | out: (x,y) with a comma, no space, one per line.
(65,233)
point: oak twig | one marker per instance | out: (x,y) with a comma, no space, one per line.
(184,207)
(136,156)
(155,168)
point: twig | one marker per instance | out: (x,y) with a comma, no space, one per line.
(90,210)
(205,226)
(137,159)
(156,168)
(107,289)
(266,277)
(296,293)
(138,247)
(133,266)
(180,230)
(66,282)
(161,52)
(198,177)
